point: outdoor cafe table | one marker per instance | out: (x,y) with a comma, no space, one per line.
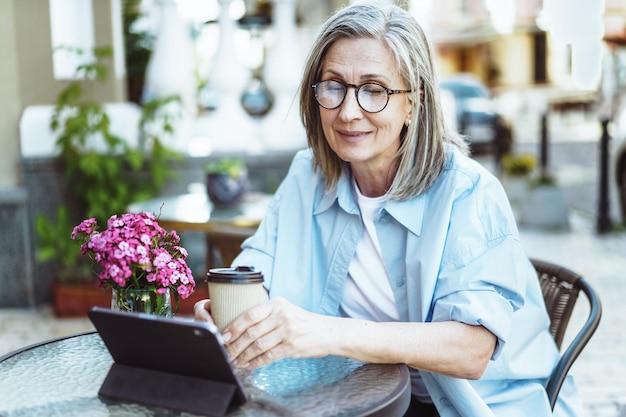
(195,212)
(222,227)
(62,377)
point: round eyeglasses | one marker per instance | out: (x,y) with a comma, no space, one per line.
(372,97)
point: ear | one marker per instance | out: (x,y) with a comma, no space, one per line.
(408,109)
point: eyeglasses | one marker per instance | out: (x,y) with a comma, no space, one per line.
(372,97)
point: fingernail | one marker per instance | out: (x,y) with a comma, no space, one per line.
(226,337)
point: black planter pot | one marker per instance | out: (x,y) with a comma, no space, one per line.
(226,191)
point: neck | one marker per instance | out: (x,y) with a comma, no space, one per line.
(374,183)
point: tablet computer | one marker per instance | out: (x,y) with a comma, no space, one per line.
(187,358)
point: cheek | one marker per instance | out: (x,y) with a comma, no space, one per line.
(393,126)
(327,121)
(395,131)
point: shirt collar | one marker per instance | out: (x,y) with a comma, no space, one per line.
(409,213)
(342,193)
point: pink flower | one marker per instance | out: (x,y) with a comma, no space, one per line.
(86,227)
(161,258)
(135,252)
(184,291)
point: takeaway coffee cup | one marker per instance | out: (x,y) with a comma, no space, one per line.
(232,291)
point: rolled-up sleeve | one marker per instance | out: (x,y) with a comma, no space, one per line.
(484,291)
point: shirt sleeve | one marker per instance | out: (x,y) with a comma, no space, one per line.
(484,272)
(259,249)
(486,291)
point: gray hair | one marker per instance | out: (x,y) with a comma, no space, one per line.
(422,150)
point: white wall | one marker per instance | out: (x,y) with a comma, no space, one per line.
(9,98)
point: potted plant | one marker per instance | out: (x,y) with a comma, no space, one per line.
(517,169)
(227,181)
(74,290)
(545,205)
(101,181)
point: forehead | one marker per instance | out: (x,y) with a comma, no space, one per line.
(360,58)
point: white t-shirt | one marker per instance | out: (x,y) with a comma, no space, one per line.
(367,293)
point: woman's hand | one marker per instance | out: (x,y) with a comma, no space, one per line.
(278,329)
(202,311)
(275,330)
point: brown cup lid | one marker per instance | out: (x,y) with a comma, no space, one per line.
(237,275)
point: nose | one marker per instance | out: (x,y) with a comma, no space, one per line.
(350,109)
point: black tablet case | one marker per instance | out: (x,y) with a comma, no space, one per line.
(172,363)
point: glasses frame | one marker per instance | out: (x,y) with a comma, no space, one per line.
(357,88)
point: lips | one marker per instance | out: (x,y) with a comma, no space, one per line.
(353,136)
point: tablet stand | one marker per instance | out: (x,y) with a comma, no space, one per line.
(168,390)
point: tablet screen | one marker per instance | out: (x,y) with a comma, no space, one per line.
(175,346)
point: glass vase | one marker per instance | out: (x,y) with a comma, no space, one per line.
(142,301)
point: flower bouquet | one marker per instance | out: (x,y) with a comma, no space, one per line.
(139,261)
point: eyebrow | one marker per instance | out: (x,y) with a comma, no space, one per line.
(362,77)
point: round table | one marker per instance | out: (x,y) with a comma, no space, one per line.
(62,377)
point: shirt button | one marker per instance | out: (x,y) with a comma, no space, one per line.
(444,402)
(400,282)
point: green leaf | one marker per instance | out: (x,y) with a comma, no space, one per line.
(232,166)
(54,242)
(135,159)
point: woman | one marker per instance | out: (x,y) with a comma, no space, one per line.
(386,243)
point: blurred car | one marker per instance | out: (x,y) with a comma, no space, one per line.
(470,108)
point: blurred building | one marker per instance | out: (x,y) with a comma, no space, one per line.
(504,45)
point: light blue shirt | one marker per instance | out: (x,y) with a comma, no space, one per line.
(452,253)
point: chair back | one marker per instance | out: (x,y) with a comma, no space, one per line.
(561,288)
(560,294)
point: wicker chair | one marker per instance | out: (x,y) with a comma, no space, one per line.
(561,288)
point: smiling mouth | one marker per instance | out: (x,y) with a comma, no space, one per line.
(353,137)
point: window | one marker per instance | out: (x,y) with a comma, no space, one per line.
(71,26)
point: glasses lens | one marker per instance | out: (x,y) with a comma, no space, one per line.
(330,94)
(372,97)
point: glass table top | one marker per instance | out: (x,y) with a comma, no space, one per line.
(62,377)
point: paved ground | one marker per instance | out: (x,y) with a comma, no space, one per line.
(601,369)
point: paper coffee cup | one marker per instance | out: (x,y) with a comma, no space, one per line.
(232,291)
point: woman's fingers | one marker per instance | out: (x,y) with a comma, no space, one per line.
(201,311)
(261,347)
(273,331)
(247,329)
